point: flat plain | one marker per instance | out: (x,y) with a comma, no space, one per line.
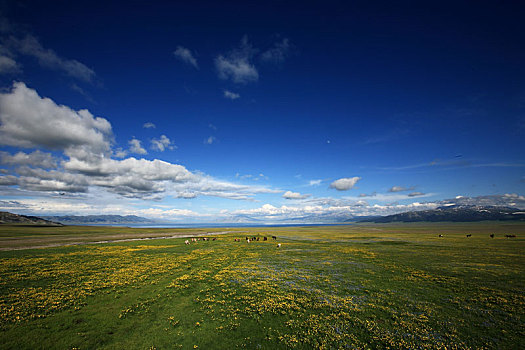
(366,286)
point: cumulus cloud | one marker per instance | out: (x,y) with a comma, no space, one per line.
(186,56)
(162,143)
(119,153)
(295,195)
(149,125)
(65,206)
(345,184)
(327,210)
(36,158)
(323,213)
(400,189)
(135,146)
(30,46)
(277,53)
(236,65)
(30,121)
(231,95)
(82,160)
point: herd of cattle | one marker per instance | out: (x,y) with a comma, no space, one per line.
(264,238)
(247,239)
(491,236)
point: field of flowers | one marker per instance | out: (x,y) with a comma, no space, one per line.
(337,287)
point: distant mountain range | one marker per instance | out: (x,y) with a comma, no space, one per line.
(100,220)
(454,213)
(10,218)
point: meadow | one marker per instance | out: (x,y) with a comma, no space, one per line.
(367,286)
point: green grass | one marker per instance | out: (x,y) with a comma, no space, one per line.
(360,286)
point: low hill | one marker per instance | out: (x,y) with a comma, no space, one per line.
(456,214)
(10,218)
(100,220)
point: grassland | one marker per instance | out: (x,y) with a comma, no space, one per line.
(358,287)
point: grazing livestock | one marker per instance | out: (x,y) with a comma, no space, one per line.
(265,238)
(492,235)
(469,235)
(274,238)
(510,236)
(214,239)
(279,245)
(440,235)
(186,242)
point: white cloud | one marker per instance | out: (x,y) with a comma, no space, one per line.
(345,184)
(236,65)
(8,65)
(149,125)
(185,56)
(278,53)
(135,146)
(30,46)
(231,95)
(82,160)
(323,213)
(65,206)
(416,194)
(504,200)
(36,158)
(162,143)
(295,195)
(400,189)
(210,140)
(187,195)
(119,153)
(30,121)
(314,182)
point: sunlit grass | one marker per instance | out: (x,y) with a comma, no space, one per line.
(368,286)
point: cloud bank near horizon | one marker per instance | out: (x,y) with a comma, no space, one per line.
(72,151)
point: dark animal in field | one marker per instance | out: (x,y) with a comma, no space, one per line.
(257,239)
(492,235)
(510,236)
(214,239)
(274,238)
(469,235)
(265,238)
(279,245)
(440,235)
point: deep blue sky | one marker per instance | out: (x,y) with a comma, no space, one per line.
(416,102)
